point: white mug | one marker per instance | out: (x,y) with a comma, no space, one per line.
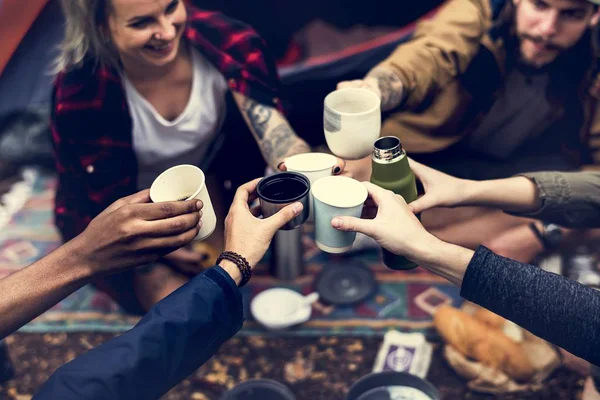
(352,122)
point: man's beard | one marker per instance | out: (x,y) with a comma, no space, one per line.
(549,45)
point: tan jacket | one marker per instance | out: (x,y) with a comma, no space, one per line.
(438,108)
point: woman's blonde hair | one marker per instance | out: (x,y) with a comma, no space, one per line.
(84,36)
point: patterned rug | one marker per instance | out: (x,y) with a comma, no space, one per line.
(404,300)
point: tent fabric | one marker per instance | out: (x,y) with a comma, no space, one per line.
(26,82)
(16,19)
(359,57)
(349,58)
(278,21)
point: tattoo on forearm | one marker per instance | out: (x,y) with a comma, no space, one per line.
(259,116)
(299,147)
(281,142)
(390,87)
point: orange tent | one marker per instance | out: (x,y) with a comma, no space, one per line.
(16,17)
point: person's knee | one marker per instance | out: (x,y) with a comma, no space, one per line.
(154,282)
(591,390)
(518,243)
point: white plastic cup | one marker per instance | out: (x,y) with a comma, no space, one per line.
(314,166)
(336,196)
(186,182)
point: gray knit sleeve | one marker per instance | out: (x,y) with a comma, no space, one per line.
(570,199)
(550,306)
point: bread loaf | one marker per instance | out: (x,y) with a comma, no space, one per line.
(480,342)
(489,318)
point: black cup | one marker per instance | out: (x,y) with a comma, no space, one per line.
(375,386)
(259,389)
(279,190)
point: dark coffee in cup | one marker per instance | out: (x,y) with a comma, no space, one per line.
(279,190)
(284,189)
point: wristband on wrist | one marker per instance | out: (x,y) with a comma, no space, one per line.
(240,262)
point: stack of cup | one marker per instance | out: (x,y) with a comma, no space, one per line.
(276,192)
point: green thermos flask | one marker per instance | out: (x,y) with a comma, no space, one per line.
(391,171)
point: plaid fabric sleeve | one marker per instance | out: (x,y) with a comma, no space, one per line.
(71,208)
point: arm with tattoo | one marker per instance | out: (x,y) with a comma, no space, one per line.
(390,87)
(274,135)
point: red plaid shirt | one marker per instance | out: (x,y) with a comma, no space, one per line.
(92,127)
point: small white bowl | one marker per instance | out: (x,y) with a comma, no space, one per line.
(274,308)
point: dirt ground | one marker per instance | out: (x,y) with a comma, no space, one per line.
(314,368)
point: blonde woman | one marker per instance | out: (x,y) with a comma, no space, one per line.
(145,85)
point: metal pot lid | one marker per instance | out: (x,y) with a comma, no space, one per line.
(259,389)
(345,283)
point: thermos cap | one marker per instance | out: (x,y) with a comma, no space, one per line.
(387,148)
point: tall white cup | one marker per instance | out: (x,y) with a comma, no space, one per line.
(186,182)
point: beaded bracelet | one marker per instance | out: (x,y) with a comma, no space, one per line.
(240,262)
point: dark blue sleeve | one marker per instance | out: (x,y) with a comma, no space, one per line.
(174,338)
(550,306)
